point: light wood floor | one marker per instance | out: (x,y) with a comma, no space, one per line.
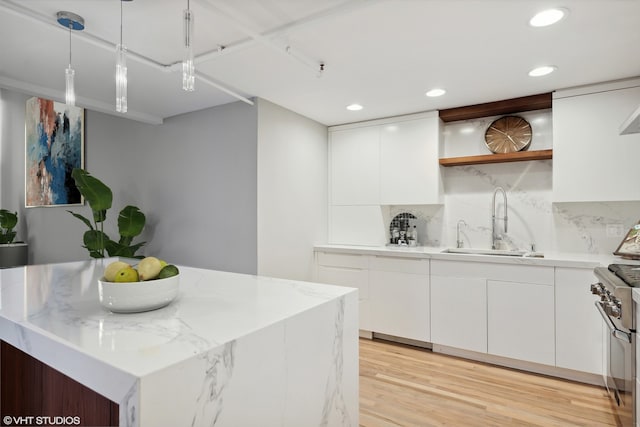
(406,386)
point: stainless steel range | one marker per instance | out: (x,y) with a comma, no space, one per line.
(615,287)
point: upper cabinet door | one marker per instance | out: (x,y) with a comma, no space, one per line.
(409,168)
(591,160)
(354,162)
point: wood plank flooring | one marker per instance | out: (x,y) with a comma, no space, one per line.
(407,386)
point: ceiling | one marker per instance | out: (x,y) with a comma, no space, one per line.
(383,54)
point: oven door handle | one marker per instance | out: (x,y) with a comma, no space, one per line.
(615,332)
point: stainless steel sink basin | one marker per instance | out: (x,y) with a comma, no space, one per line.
(473,251)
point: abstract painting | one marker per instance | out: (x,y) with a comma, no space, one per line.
(54,146)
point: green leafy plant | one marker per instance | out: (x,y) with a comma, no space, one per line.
(131,220)
(8,221)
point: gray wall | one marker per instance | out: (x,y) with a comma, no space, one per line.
(195,177)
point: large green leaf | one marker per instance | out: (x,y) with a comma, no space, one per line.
(95,240)
(83,219)
(7,237)
(130,222)
(117,249)
(95,192)
(8,220)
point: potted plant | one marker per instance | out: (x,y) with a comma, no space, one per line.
(11,254)
(8,221)
(131,220)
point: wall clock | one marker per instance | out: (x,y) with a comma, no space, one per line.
(508,134)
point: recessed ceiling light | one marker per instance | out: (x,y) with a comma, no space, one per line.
(547,17)
(542,71)
(354,107)
(436,92)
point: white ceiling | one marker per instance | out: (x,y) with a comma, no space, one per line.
(383,54)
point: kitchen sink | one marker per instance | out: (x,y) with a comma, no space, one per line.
(472,251)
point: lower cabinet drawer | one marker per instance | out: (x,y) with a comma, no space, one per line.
(353,278)
(521,321)
(399,304)
(459,312)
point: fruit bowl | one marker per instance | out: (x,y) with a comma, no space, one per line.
(136,297)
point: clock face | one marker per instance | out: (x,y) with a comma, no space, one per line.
(508,134)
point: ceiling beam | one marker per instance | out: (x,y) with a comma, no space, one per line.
(508,106)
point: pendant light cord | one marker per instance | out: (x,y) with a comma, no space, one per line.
(70,27)
(120,22)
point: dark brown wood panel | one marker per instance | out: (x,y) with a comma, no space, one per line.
(518,156)
(508,106)
(31,388)
(19,376)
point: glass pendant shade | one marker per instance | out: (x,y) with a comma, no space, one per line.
(188,67)
(121,78)
(69,94)
(72,22)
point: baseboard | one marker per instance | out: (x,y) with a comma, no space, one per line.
(400,340)
(537,368)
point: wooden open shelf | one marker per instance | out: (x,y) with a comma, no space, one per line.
(518,156)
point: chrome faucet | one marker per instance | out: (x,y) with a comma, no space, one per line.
(459,242)
(494,235)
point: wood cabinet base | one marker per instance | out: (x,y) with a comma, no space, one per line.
(29,388)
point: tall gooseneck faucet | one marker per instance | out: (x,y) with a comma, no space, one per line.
(494,235)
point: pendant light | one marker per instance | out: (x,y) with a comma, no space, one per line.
(72,22)
(121,71)
(188,67)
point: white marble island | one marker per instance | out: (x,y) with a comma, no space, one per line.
(231,350)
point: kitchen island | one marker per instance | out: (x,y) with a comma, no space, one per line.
(231,350)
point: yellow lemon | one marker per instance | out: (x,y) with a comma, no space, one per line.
(127,274)
(112,269)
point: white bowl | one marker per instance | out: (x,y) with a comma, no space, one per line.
(135,297)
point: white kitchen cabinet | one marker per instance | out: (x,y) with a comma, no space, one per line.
(399,297)
(589,155)
(507,317)
(354,166)
(386,162)
(578,323)
(356,225)
(459,312)
(347,270)
(520,321)
(409,168)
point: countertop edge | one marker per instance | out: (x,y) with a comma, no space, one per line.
(551,259)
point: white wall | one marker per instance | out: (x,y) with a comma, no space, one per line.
(193,176)
(292,191)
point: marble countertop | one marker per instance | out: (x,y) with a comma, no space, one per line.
(553,259)
(52,312)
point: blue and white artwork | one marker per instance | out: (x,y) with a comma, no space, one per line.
(54,137)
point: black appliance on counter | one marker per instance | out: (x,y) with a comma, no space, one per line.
(615,287)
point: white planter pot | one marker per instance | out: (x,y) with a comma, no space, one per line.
(13,254)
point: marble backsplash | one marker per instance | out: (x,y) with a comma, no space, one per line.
(532,217)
